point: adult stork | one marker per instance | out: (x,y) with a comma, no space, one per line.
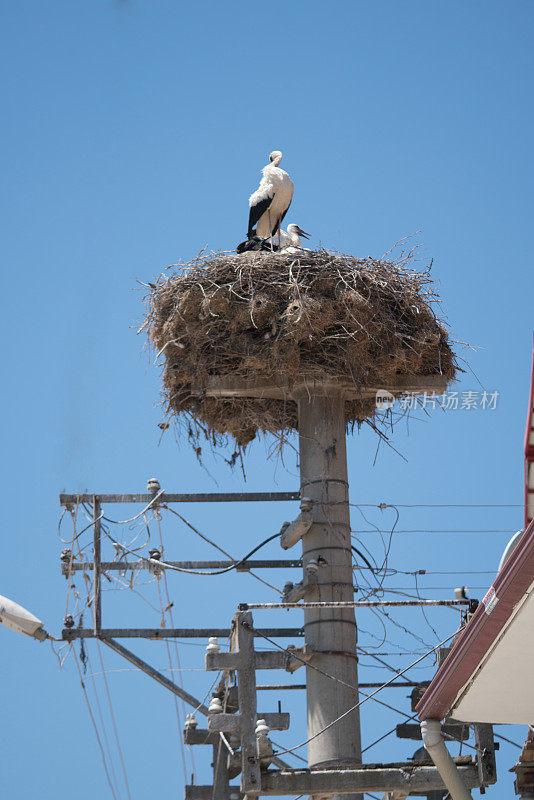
(269,203)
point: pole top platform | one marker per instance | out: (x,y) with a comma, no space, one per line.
(230,386)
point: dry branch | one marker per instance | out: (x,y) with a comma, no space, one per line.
(265,315)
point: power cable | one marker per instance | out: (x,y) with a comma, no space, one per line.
(87,662)
(402,627)
(439,530)
(423,610)
(402,589)
(145,509)
(439,505)
(368,697)
(295,755)
(195,530)
(385,735)
(94,726)
(355,549)
(171,616)
(339,680)
(165,565)
(112,714)
(180,739)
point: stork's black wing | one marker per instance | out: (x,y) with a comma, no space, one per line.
(279,222)
(257,211)
(256,243)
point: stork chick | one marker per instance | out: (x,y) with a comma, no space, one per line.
(290,241)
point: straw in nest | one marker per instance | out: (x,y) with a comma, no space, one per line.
(289,317)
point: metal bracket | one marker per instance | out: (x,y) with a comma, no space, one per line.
(299,655)
(292,532)
(487,767)
(307,588)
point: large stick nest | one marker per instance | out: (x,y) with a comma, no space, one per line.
(263,315)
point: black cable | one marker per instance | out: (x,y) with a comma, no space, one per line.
(165,565)
(241,561)
(352,547)
(255,550)
(237,563)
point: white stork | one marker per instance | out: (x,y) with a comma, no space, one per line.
(286,242)
(290,241)
(269,203)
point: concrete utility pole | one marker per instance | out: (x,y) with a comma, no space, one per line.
(330,633)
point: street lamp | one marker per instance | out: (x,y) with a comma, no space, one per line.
(18,619)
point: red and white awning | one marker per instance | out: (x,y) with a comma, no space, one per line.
(488,675)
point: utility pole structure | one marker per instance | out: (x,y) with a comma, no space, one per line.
(237,727)
(329,654)
(330,633)
(248,347)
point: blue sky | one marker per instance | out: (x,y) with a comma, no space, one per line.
(133,133)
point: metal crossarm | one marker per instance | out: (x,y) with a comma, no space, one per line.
(198,497)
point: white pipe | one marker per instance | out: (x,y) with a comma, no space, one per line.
(435,746)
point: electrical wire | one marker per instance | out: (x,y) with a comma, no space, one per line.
(180,739)
(380,572)
(87,662)
(177,654)
(141,513)
(173,567)
(368,697)
(402,627)
(423,609)
(402,589)
(94,726)
(355,549)
(295,755)
(129,587)
(440,505)
(221,550)
(435,530)
(384,571)
(392,571)
(137,669)
(112,714)
(384,736)
(333,677)
(195,530)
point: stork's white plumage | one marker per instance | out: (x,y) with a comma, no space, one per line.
(290,241)
(285,242)
(269,203)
